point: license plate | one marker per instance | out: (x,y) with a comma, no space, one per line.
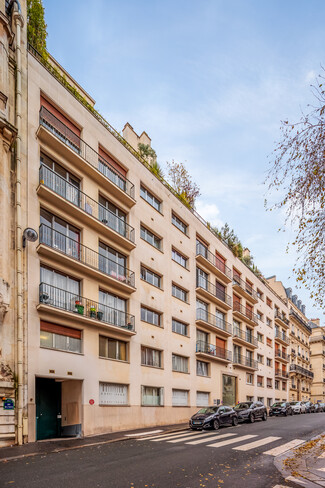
(197,422)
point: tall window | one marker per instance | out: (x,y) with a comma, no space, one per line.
(112,216)
(150,198)
(112,348)
(59,289)
(202,278)
(152,396)
(178,292)
(179,327)
(114,308)
(150,316)
(111,262)
(150,237)
(180,363)
(56,336)
(179,223)
(59,234)
(60,180)
(202,368)
(179,258)
(150,357)
(150,277)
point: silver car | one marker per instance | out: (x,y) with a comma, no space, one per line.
(298,407)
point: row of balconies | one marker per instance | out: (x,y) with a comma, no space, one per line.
(206,350)
(300,370)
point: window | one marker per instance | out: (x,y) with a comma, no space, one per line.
(58,337)
(112,216)
(277,384)
(269,342)
(269,382)
(260,358)
(201,336)
(179,363)
(179,327)
(179,398)
(112,262)
(202,368)
(268,362)
(150,277)
(112,348)
(259,294)
(202,278)
(60,180)
(269,402)
(179,293)
(150,316)
(260,337)
(150,357)
(268,322)
(249,378)
(58,289)
(249,398)
(259,316)
(113,394)
(114,309)
(260,381)
(268,302)
(202,399)
(150,198)
(284,385)
(260,399)
(179,224)
(179,258)
(59,234)
(149,237)
(152,396)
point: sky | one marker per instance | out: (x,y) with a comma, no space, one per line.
(209,81)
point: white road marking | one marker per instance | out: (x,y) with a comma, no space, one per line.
(144,433)
(260,442)
(216,437)
(205,436)
(320,469)
(284,447)
(158,439)
(295,480)
(170,434)
(232,441)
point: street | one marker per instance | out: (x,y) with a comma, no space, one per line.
(233,457)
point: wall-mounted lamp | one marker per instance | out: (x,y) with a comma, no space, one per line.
(29,235)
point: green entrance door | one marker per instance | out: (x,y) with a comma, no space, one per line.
(48,408)
(228,390)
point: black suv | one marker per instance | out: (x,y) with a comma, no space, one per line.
(213,417)
(281,408)
(251,411)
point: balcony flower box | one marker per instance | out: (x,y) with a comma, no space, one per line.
(92,312)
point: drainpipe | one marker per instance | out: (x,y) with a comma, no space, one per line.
(19,22)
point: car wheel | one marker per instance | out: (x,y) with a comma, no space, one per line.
(285,413)
(234,421)
(264,416)
(291,413)
(216,424)
(251,418)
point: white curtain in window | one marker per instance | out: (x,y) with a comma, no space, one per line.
(202,399)
(180,398)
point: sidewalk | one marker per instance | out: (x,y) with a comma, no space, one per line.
(306,464)
(62,444)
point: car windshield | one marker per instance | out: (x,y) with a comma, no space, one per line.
(278,404)
(242,405)
(208,410)
(294,403)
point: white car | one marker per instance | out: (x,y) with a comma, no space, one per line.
(298,407)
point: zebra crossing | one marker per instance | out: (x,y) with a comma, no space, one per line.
(216,440)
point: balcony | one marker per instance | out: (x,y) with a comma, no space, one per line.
(209,351)
(83,310)
(73,201)
(210,292)
(245,338)
(282,356)
(293,387)
(76,256)
(281,337)
(281,319)
(244,313)
(295,368)
(70,146)
(213,263)
(244,289)
(212,322)
(294,315)
(245,362)
(281,374)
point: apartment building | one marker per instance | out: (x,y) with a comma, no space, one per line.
(317,359)
(127,311)
(301,376)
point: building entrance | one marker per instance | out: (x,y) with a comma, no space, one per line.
(228,390)
(48,408)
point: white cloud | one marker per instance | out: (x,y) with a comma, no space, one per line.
(210,212)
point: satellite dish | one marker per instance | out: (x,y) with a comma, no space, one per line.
(29,235)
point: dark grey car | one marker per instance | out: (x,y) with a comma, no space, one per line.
(251,411)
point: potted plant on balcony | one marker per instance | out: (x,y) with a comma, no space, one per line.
(44,297)
(92,312)
(100,315)
(79,308)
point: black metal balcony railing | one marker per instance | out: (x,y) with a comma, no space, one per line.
(282,374)
(211,288)
(246,336)
(282,336)
(245,361)
(201,250)
(236,280)
(283,355)
(299,319)
(212,350)
(74,303)
(74,142)
(211,319)
(281,316)
(237,307)
(299,369)
(72,248)
(69,192)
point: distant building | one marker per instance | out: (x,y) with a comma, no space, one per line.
(317,357)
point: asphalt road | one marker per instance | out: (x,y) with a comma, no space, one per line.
(157,462)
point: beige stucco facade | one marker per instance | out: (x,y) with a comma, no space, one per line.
(317,355)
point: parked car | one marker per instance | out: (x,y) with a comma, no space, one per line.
(280,408)
(310,407)
(322,407)
(298,407)
(213,417)
(318,407)
(251,411)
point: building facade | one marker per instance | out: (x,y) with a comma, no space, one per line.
(317,358)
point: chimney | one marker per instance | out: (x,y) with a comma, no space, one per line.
(246,253)
(294,299)
(316,322)
(132,137)
(289,293)
(303,309)
(299,304)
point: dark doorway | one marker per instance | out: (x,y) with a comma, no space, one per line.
(48,408)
